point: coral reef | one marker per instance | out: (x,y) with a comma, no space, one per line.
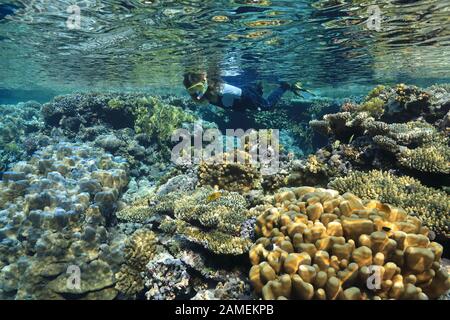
(55,210)
(405,131)
(430,205)
(134,126)
(19,124)
(233,171)
(92,208)
(317,244)
(205,216)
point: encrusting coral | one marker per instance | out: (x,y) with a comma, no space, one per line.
(430,205)
(317,244)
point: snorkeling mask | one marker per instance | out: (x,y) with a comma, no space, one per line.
(199,89)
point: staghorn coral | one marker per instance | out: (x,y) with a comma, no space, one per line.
(232,171)
(317,244)
(430,205)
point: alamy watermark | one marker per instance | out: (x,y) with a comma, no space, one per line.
(374,280)
(259,147)
(74,279)
(74,20)
(33,8)
(374,20)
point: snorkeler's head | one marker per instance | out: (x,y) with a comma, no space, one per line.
(196,84)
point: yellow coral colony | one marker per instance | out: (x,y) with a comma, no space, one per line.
(317,244)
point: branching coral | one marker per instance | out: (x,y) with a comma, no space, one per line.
(429,204)
(317,244)
(427,159)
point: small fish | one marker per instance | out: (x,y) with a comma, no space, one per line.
(214,196)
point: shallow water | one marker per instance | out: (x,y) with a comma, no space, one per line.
(137,44)
(106,191)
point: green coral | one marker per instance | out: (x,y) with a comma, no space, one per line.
(159,120)
(153,117)
(431,205)
(374,106)
(115,104)
(375,92)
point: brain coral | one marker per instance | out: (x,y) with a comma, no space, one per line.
(317,244)
(431,205)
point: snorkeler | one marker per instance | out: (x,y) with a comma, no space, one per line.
(218,93)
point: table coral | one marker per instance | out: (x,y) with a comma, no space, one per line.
(317,244)
(213,219)
(412,141)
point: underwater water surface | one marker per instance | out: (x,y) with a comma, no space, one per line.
(339,189)
(132,44)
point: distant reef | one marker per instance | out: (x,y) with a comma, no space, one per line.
(87,188)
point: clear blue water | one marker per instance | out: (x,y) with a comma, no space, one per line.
(148,44)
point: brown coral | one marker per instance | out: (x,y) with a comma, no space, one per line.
(139,249)
(317,244)
(430,205)
(233,172)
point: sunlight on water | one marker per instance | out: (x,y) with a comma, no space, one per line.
(135,44)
